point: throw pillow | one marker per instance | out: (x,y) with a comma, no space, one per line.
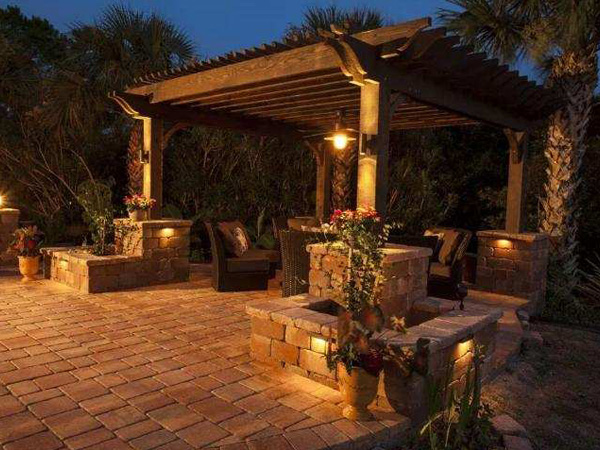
(452,240)
(241,242)
(438,246)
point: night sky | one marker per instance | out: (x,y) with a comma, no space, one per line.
(219,26)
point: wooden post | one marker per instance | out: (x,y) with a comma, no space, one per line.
(517,181)
(153,170)
(373,147)
(323,156)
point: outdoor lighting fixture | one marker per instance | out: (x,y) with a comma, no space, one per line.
(318,345)
(1,201)
(341,136)
(167,232)
(503,243)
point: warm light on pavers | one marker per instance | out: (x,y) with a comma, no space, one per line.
(166,367)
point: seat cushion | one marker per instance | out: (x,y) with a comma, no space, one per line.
(440,270)
(271,255)
(450,242)
(235,238)
(245,264)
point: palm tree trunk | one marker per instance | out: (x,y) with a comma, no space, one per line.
(573,75)
(135,169)
(342,180)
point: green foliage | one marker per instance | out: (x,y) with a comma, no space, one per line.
(96,200)
(540,30)
(320,18)
(458,421)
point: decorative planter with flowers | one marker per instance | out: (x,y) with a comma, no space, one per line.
(26,243)
(138,206)
(358,360)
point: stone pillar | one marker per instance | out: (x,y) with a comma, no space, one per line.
(164,246)
(513,264)
(405,270)
(9,222)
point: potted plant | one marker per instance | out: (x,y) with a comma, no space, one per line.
(358,362)
(26,242)
(138,206)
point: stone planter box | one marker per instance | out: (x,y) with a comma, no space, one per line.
(297,332)
(153,252)
(404,267)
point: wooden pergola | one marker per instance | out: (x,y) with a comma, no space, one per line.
(400,77)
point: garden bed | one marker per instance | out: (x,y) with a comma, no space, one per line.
(153,252)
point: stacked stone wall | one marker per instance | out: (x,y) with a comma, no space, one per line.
(404,268)
(151,252)
(513,264)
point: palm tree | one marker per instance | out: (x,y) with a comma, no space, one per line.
(106,56)
(353,21)
(561,37)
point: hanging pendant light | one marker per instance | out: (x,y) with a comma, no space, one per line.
(341,135)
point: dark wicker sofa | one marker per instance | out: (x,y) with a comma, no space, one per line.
(249,272)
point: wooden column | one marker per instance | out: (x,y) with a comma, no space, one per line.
(517,181)
(153,168)
(373,147)
(323,156)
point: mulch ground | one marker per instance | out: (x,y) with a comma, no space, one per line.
(554,389)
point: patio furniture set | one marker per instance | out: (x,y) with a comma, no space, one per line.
(238,266)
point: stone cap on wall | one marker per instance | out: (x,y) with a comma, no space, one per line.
(502,234)
(443,331)
(159,223)
(83,257)
(391,252)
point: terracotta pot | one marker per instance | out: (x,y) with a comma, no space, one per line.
(29,267)
(358,389)
(137,215)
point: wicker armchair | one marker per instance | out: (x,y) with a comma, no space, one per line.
(247,273)
(445,280)
(296,260)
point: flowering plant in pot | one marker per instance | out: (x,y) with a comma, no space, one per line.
(26,243)
(358,361)
(138,206)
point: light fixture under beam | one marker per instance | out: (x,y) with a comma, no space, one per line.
(341,136)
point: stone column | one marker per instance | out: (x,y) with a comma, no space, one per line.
(405,270)
(513,264)
(9,222)
(164,246)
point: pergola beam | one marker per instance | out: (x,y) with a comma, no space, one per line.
(138,107)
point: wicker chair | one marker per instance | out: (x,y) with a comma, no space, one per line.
(278,224)
(235,274)
(445,280)
(296,260)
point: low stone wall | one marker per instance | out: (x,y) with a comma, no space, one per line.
(153,252)
(513,264)
(404,267)
(9,222)
(292,333)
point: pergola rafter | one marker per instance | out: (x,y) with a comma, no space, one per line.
(297,88)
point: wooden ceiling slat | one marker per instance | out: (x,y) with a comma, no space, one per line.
(289,97)
(292,105)
(260,89)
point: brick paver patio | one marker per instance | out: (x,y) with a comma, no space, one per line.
(164,367)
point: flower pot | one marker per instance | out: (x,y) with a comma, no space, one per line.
(137,215)
(29,267)
(358,389)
